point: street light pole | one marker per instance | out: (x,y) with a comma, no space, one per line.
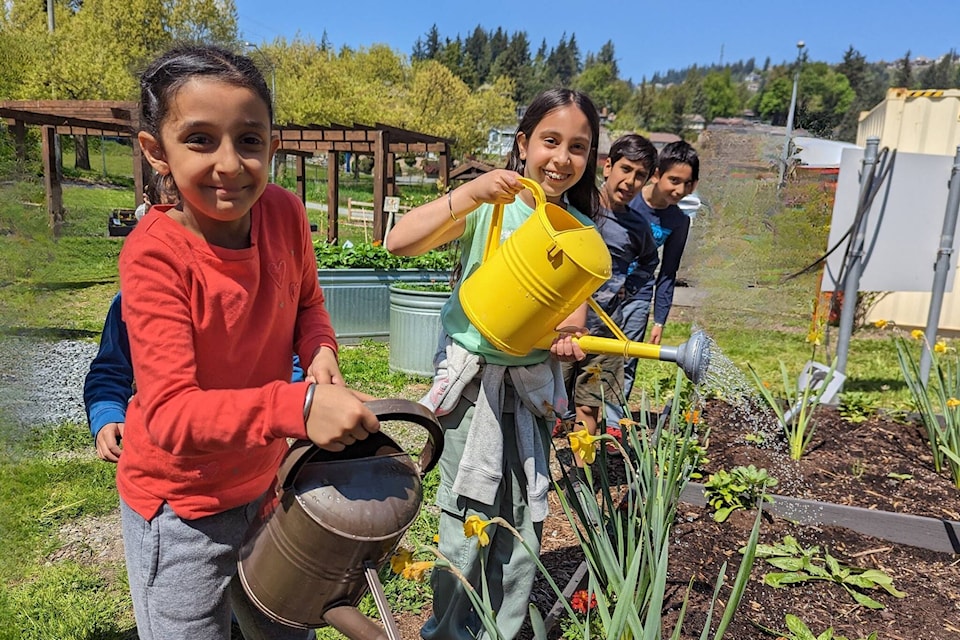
(273,94)
(785,157)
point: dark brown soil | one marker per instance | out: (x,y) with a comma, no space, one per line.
(845,463)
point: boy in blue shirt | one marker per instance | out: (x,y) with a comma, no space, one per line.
(633,256)
(676,177)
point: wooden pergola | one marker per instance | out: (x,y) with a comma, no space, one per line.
(120,119)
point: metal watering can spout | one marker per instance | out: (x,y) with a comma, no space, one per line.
(692,356)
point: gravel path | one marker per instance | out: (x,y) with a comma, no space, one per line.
(41,382)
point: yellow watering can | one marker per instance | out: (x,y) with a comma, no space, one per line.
(546,269)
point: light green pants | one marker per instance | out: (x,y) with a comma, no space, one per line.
(510,569)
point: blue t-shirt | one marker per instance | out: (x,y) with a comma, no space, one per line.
(670,227)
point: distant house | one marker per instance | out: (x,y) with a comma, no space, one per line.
(661,139)
(694,122)
(500,141)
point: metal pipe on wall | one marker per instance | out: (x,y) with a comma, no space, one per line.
(941,268)
(853,270)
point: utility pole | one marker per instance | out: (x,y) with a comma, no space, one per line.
(785,156)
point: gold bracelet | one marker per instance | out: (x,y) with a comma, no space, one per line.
(450,206)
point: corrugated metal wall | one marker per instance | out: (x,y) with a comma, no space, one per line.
(925,121)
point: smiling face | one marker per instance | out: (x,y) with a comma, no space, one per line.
(673,185)
(621,182)
(216,142)
(556,152)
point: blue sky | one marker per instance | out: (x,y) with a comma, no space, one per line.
(648,36)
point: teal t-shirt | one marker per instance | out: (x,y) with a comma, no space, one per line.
(472,244)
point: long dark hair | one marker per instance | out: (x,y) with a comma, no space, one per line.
(583,195)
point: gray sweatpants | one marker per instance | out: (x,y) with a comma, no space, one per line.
(183,577)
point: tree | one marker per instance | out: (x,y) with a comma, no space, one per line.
(514,62)
(942,74)
(721,96)
(903,74)
(868,83)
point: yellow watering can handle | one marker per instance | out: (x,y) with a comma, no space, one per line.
(496,223)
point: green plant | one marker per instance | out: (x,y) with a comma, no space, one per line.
(856,407)
(796,418)
(739,488)
(798,630)
(805,564)
(373,255)
(436,286)
(939,397)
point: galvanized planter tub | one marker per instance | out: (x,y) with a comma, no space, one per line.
(414,329)
(359,299)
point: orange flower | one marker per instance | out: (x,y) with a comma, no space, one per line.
(692,416)
(583,601)
(376,243)
(416,570)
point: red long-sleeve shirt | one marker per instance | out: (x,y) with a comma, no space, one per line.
(212,333)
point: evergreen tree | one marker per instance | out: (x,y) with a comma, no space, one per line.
(432,46)
(475,50)
(903,75)
(941,74)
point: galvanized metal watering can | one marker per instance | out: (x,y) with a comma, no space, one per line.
(337,518)
(547,268)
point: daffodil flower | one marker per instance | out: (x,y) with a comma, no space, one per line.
(584,445)
(881,324)
(916,334)
(475,526)
(400,560)
(940,347)
(953,403)
(595,371)
(626,423)
(416,570)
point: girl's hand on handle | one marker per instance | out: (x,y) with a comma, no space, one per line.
(337,417)
(325,369)
(499,186)
(565,348)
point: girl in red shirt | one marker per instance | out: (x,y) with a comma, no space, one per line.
(217,291)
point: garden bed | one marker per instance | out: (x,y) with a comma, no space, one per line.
(846,463)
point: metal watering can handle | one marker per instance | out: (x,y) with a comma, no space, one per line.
(496,223)
(302,451)
(410,411)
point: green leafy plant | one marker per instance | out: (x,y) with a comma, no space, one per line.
(939,397)
(373,255)
(798,630)
(796,414)
(804,564)
(739,488)
(856,407)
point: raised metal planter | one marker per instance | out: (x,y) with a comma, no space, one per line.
(414,329)
(359,299)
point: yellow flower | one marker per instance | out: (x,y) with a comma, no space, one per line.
(436,538)
(415,570)
(814,337)
(880,324)
(940,347)
(595,371)
(953,403)
(400,560)
(584,445)
(917,334)
(474,526)
(626,423)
